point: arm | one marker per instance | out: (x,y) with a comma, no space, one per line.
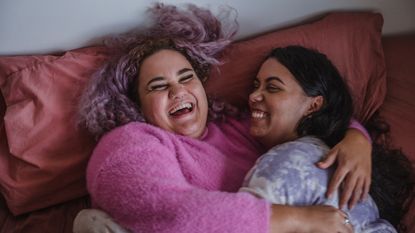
(142,186)
(318,218)
(283,219)
(353,156)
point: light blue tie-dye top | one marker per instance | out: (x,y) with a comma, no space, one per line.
(287,174)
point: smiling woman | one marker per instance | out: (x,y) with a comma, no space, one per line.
(300,108)
(278,104)
(149,94)
(171,95)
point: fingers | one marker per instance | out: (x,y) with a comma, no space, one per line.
(327,219)
(355,185)
(344,223)
(348,228)
(355,189)
(357,193)
(329,159)
(366,188)
(342,213)
(347,225)
(336,180)
(348,188)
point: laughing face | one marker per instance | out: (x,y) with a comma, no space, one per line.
(171,95)
(277,104)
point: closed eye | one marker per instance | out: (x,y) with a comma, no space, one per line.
(186,78)
(273,88)
(158,86)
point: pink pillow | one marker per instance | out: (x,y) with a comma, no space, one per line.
(399,106)
(351,40)
(43,155)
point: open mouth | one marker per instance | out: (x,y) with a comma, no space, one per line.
(181,109)
(256,114)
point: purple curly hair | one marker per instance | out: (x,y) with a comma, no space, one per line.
(110,100)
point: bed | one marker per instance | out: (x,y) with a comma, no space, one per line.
(43,154)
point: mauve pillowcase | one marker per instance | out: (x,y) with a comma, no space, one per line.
(399,106)
(43,155)
(351,40)
(48,154)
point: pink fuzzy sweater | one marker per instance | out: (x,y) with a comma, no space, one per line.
(150,180)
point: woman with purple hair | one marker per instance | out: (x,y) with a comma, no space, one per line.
(163,163)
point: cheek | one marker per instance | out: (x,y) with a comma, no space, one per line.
(203,98)
(153,108)
(288,114)
(282,115)
(200,93)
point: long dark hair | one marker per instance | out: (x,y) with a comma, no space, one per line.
(393,178)
(317,76)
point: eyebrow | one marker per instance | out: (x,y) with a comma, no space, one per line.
(274,78)
(184,70)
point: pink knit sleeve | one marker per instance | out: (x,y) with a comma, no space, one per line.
(142,186)
(354,124)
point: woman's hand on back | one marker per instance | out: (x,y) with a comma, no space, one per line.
(308,219)
(353,156)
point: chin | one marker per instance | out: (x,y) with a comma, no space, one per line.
(256,132)
(193,133)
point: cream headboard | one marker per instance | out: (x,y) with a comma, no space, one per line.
(45,26)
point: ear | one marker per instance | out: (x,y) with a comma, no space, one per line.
(315,105)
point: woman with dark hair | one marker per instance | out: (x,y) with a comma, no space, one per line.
(300,108)
(161,163)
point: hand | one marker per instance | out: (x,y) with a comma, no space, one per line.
(95,221)
(353,155)
(308,219)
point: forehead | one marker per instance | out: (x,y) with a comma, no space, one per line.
(165,60)
(273,68)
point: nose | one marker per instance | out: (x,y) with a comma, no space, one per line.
(256,96)
(177,91)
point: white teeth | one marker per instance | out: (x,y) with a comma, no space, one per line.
(258,114)
(180,107)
